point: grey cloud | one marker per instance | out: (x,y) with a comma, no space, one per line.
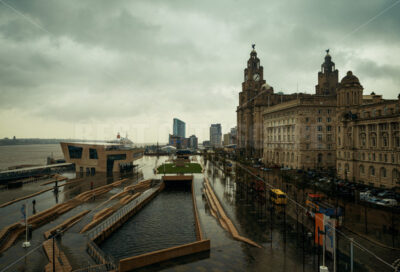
(106,60)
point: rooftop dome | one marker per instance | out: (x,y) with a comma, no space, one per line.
(350,79)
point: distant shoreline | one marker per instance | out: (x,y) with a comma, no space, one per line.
(27,141)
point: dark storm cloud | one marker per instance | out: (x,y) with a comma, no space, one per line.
(105,60)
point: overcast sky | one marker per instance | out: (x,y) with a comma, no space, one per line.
(88,69)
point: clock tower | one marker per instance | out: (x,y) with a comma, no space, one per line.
(249,112)
(253,74)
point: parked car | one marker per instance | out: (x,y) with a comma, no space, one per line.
(387,194)
(373,200)
(388,202)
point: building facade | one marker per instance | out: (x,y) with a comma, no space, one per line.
(179,128)
(100,157)
(336,128)
(178,141)
(300,134)
(193,142)
(368,136)
(255,97)
(215,135)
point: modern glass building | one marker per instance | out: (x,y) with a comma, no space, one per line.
(215,135)
(179,128)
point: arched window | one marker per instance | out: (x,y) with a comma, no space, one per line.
(383,172)
(361,169)
(372,171)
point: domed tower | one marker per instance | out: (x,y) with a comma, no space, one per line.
(328,77)
(350,91)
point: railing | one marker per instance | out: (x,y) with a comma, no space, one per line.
(115,217)
(108,262)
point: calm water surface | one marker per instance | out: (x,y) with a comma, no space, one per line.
(11,155)
(167,221)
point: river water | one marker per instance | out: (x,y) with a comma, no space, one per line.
(12,155)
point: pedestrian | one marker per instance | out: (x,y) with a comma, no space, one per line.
(34,206)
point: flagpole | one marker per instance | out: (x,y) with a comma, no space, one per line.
(26,243)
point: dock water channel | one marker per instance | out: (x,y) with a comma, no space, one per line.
(167,221)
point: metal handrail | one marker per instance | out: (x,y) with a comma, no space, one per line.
(117,215)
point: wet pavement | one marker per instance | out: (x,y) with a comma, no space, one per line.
(282,245)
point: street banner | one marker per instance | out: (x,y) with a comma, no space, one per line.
(330,223)
(319,224)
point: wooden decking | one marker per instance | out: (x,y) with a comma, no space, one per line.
(60,260)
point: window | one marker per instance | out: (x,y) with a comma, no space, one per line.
(397,139)
(319,137)
(383,172)
(385,140)
(328,111)
(116,157)
(319,111)
(373,139)
(328,128)
(307,128)
(75,152)
(307,119)
(362,140)
(328,119)
(319,128)
(361,169)
(395,176)
(329,137)
(319,119)
(373,156)
(93,154)
(372,171)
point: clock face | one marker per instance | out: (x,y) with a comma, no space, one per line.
(256,77)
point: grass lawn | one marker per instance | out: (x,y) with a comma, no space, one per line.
(171,168)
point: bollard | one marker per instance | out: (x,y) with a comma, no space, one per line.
(323,269)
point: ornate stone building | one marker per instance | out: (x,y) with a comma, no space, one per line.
(301,133)
(336,128)
(368,136)
(254,98)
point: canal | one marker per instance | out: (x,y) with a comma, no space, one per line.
(167,221)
